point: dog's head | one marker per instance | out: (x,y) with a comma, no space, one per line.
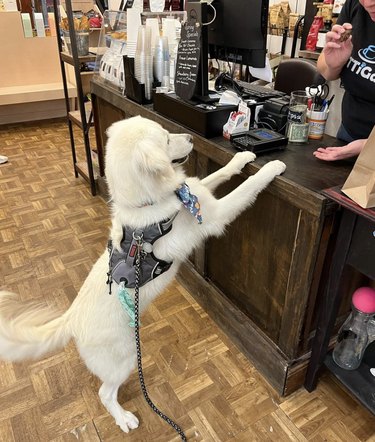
(143,161)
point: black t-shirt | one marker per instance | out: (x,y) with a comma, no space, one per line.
(358,75)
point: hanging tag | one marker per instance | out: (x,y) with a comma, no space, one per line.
(127,303)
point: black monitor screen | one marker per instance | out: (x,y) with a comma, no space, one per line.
(239,31)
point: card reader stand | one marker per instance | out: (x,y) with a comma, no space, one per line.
(193,105)
(259,141)
(205,119)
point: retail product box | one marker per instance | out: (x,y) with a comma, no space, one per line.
(26,23)
(52,24)
(9,5)
(39,24)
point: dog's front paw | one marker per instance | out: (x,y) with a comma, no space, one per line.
(126,421)
(241,159)
(277,166)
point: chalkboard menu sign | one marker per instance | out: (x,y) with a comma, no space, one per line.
(188,55)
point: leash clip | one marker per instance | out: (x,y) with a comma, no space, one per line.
(109,281)
(138,238)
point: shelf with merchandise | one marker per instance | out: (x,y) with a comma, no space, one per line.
(118,39)
(75,38)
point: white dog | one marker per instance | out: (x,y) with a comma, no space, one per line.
(143,172)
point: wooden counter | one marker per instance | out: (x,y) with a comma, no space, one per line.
(260,281)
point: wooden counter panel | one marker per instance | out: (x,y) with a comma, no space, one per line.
(302,271)
(266,268)
(256,278)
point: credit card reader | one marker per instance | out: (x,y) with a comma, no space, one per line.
(259,140)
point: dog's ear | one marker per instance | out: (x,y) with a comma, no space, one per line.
(149,158)
(112,129)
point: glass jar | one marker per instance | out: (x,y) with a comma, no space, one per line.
(298,126)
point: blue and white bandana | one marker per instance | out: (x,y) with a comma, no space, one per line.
(189,201)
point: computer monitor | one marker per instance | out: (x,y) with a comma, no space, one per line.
(238,33)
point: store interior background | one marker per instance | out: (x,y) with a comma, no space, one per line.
(31,86)
(55,399)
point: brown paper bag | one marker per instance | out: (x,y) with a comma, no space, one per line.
(360,185)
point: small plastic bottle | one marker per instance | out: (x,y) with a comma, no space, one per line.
(354,334)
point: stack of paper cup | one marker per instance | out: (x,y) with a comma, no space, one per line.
(161,61)
(143,60)
(170,26)
(133,20)
(169,31)
(157,5)
(153,23)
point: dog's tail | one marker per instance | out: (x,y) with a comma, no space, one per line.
(29,331)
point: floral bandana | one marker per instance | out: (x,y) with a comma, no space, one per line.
(189,201)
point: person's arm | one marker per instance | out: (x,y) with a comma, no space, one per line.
(340,153)
(335,53)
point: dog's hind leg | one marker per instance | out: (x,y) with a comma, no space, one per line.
(124,419)
(112,363)
(234,167)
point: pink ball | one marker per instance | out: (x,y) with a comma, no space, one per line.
(364,299)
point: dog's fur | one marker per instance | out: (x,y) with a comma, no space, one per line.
(142,179)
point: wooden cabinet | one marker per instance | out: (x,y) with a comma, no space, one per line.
(261,281)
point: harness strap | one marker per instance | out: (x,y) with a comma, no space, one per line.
(122,263)
(130,258)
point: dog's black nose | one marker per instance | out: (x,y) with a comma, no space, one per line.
(190,138)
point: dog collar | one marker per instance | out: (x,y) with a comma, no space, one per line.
(189,201)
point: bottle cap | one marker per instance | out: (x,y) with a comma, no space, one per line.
(364,299)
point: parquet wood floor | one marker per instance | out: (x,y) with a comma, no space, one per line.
(51,232)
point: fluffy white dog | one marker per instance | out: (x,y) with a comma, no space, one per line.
(143,171)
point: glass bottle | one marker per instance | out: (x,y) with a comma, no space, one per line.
(353,339)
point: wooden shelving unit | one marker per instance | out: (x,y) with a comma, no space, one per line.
(353,248)
(313,55)
(76,117)
(83,117)
(359,382)
(68,58)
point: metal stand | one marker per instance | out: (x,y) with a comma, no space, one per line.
(83,121)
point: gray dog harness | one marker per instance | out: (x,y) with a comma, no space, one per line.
(122,263)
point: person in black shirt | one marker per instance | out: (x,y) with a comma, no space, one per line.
(353,60)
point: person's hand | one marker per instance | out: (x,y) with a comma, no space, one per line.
(337,52)
(340,153)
